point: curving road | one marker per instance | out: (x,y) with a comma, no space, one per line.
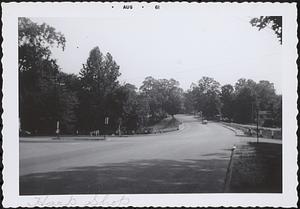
(191,160)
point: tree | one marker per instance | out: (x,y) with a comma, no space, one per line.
(37,75)
(151,91)
(164,97)
(128,100)
(267,100)
(134,108)
(277,111)
(245,101)
(207,98)
(98,89)
(274,22)
(188,102)
(242,83)
(142,110)
(67,86)
(172,96)
(244,105)
(265,92)
(227,98)
(34,43)
(251,97)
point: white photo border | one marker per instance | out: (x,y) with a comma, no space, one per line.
(10,187)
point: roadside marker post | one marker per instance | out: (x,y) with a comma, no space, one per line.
(106,119)
(57,129)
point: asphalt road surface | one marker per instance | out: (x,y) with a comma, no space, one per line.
(191,160)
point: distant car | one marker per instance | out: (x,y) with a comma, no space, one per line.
(204,122)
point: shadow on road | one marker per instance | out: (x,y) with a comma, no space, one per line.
(147,176)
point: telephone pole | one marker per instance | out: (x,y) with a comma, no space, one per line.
(257,134)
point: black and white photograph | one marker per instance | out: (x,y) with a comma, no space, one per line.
(152,99)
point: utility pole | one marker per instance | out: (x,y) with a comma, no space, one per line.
(58,84)
(257,118)
(257,134)
(57,106)
(252,115)
(119,128)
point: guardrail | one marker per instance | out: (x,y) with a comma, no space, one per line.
(251,130)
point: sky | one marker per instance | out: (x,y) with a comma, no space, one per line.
(184,47)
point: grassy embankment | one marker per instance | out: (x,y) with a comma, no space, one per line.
(257,167)
(165,125)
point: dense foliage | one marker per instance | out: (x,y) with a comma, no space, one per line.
(237,104)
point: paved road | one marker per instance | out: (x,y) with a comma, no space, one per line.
(193,159)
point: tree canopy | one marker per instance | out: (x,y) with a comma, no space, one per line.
(40,79)
(164,96)
(274,22)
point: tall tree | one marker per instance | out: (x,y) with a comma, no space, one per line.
(188,102)
(227,97)
(151,91)
(267,100)
(66,90)
(133,108)
(251,97)
(265,92)
(164,97)
(207,94)
(245,101)
(244,106)
(173,96)
(99,84)
(37,75)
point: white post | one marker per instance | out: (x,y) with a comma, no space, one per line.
(19,124)
(57,129)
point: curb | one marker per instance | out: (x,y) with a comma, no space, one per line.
(237,132)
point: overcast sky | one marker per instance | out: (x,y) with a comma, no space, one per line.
(184,47)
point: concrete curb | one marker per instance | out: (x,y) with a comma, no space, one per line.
(236,131)
(92,138)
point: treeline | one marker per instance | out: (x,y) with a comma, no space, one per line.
(239,103)
(82,102)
